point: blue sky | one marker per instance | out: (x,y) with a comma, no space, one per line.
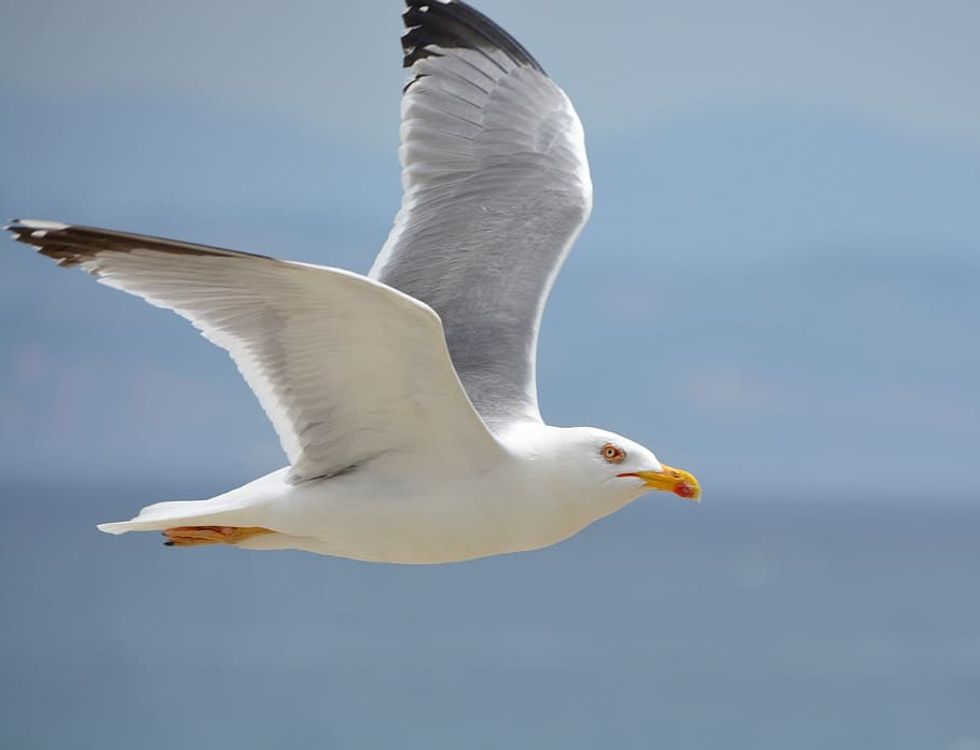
(778,289)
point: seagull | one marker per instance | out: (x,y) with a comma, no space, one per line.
(405,400)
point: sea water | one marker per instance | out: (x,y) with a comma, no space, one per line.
(784,623)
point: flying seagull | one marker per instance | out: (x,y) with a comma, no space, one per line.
(406,399)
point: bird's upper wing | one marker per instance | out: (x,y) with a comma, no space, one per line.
(346,368)
(497,188)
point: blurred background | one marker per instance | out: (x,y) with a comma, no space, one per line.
(779,290)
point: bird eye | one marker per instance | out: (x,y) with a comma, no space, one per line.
(613,454)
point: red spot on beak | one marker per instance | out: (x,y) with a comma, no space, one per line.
(684,490)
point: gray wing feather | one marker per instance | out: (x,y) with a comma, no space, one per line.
(497,189)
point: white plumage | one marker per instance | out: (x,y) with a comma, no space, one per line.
(406,402)
(344,367)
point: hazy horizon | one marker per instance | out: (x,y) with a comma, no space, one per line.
(778,291)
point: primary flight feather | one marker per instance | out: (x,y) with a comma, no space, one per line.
(406,400)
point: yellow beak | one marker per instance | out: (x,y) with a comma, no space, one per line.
(680,482)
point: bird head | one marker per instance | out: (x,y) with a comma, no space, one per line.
(622,467)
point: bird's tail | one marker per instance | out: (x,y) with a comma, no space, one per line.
(166,515)
(244,506)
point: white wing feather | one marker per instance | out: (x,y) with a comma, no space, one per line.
(347,369)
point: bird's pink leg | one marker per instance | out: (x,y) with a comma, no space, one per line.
(194,536)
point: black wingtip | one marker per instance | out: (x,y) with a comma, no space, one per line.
(455,24)
(72,245)
(35,232)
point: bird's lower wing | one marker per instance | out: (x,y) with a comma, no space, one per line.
(347,369)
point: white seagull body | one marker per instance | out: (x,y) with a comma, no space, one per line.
(406,400)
